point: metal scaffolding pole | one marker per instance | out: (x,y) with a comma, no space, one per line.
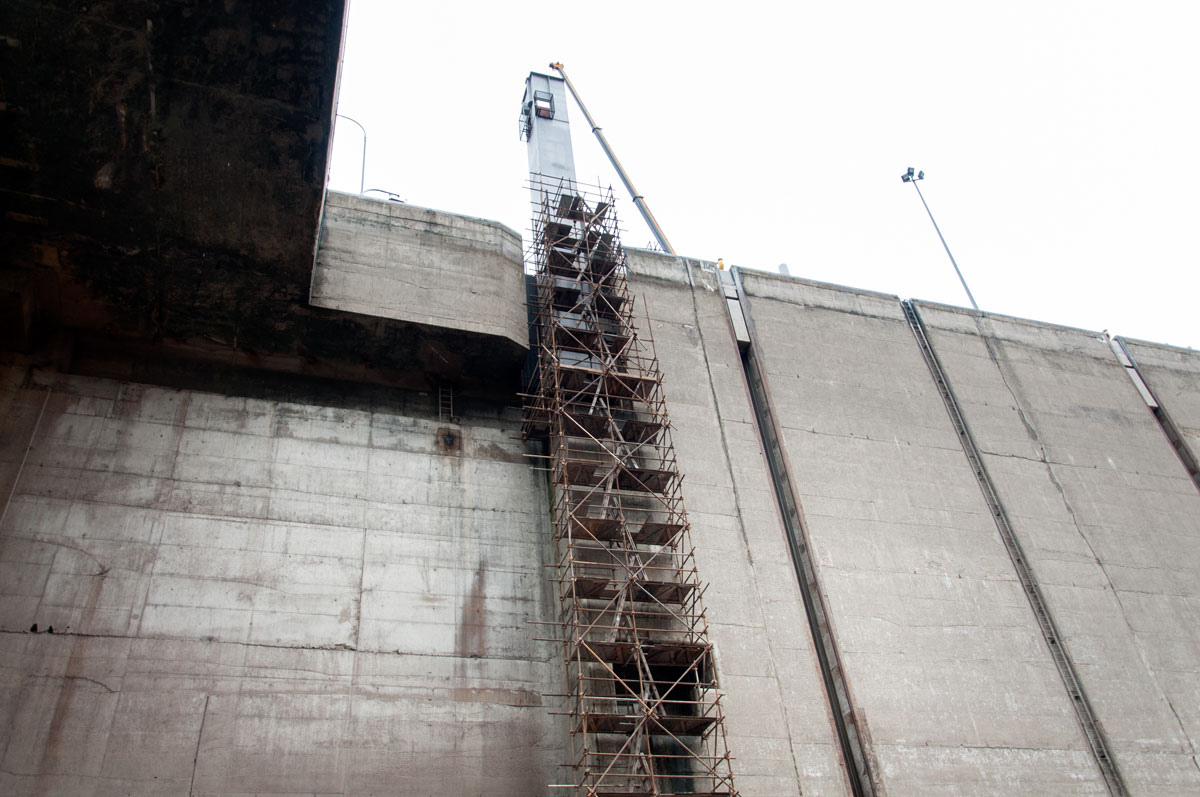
(642,695)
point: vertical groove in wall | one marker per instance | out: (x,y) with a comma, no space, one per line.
(1174,437)
(854,756)
(1033,593)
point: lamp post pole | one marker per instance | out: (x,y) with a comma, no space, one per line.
(909,177)
(362,174)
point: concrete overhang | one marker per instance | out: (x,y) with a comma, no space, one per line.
(439,270)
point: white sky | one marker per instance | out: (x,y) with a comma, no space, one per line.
(1059,139)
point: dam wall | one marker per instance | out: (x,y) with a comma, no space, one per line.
(276,583)
(298,591)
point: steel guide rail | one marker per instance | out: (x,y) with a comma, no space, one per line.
(1062,660)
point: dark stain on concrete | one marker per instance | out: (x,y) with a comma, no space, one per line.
(499,453)
(72,678)
(471,637)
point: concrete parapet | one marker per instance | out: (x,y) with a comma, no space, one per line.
(648,264)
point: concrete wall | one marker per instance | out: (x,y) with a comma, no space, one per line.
(777,715)
(295,588)
(397,261)
(1108,518)
(942,653)
(268,595)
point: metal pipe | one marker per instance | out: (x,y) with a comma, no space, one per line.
(943,240)
(362,175)
(633,192)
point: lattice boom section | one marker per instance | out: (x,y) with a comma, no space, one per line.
(642,696)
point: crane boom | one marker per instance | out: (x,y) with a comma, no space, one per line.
(638,199)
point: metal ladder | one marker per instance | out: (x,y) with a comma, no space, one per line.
(1083,708)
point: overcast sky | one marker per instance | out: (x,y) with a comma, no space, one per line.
(1059,139)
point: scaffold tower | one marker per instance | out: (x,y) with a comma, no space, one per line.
(642,698)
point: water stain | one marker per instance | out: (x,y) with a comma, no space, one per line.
(72,678)
(471,636)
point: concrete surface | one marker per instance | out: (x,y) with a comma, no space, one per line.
(394,260)
(1108,518)
(1173,375)
(777,716)
(947,668)
(164,165)
(278,583)
(268,596)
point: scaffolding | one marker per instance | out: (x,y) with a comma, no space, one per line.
(642,698)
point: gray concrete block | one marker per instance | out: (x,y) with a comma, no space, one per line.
(423,266)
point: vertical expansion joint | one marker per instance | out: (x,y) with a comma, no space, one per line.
(853,752)
(1165,421)
(1062,661)
(642,695)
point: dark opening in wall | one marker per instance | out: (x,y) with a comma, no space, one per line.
(449,441)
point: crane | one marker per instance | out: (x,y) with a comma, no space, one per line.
(638,199)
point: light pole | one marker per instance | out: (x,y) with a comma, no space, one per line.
(909,177)
(362,175)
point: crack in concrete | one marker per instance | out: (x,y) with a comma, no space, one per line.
(58,542)
(69,677)
(199,738)
(339,647)
(851,436)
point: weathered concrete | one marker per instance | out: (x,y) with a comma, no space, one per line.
(953,681)
(1108,518)
(164,165)
(394,260)
(256,595)
(777,716)
(1173,375)
(300,587)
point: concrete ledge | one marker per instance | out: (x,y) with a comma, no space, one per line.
(796,290)
(656,265)
(428,267)
(1014,329)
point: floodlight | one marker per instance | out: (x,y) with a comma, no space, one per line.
(912,176)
